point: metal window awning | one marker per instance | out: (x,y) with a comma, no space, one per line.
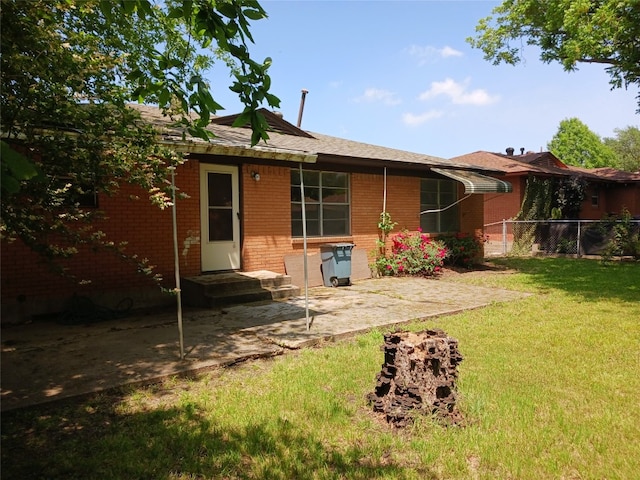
(475,182)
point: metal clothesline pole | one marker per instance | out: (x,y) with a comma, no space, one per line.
(384,192)
(176,260)
(304,243)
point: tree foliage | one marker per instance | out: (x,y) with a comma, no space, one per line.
(567,31)
(568,196)
(575,144)
(537,200)
(552,198)
(546,199)
(626,145)
(68,70)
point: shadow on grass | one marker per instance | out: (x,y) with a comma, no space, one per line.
(588,279)
(92,441)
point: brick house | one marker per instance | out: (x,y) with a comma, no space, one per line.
(244,213)
(608,190)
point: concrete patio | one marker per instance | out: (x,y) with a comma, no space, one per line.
(47,361)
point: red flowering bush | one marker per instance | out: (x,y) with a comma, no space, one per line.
(464,249)
(413,253)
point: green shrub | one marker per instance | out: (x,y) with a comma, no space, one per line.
(624,238)
(463,249)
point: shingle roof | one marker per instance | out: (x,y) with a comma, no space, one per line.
(543,163)
(611,174)
(284,137)
(497,161)
(541,159)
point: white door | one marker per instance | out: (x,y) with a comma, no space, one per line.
(219,217)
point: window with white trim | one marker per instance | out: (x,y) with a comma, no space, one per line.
(438,194)
(327,203)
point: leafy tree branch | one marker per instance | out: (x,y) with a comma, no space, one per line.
(566,31)
(69,69)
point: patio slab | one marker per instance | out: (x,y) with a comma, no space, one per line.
(46,361)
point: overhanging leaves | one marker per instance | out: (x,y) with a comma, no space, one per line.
(68,70)
(16,168)
(569,32)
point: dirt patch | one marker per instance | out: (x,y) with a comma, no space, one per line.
(479,270)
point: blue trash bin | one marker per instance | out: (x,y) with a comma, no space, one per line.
(336,263)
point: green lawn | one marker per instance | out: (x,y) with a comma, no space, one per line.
(550,389)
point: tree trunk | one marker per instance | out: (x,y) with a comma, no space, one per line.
(418,376)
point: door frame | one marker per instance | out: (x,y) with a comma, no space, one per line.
(219,255)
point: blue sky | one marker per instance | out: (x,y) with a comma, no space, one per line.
(400,74)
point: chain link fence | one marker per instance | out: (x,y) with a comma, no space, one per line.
(551,237)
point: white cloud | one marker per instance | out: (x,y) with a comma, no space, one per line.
(428,52)
(378,95)
(458,93)
(414,120)
(448,51)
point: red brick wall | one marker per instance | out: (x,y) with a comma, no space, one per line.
(591,212)
(266,210)
(131,218)
(267,220)
(503,206)
(367,191)
(471,213)
(267,225)
(367,202)
(266,233)
(612,200)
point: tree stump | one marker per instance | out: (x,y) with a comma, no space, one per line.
(418,376)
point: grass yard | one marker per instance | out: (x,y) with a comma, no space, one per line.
(550,389)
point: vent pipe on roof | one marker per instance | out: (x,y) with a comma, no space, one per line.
(521,150)
(304,94)
(510,151)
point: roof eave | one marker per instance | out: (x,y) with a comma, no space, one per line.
(246,151)
(402,164)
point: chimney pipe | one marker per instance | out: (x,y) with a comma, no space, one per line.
(510,151)
(304,94)
(521,150)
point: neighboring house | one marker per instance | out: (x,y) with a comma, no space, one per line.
(608,190)
(244,212)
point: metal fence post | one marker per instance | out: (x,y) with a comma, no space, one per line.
(578,241)
(504,237)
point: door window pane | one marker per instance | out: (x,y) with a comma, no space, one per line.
(220,207)
(220,189)
(220,225)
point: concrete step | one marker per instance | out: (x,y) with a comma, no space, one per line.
(285,291)
(234,288)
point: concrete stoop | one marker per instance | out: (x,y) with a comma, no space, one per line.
(235,288)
